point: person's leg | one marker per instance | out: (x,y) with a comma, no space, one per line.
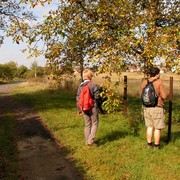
(149,135)
(157,135)
(87,128)
(158,119)
(94,127)
(149,124)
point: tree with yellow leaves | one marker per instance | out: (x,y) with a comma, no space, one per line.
(108,33)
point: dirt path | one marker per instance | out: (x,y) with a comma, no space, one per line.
(41,157)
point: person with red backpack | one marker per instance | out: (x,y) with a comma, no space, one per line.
(87,99)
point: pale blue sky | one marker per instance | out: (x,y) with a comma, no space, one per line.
(10,51)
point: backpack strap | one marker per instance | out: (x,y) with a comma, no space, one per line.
(151,81)
(88,84)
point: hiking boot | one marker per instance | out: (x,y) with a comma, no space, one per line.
(92,144)
(149,146)
(156,147)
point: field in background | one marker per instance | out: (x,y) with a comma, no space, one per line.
(135,79)
(121,151)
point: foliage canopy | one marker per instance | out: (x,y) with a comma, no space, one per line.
(106,33)
(14,16)
(109,33)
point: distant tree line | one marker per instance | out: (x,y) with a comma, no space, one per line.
(10,71)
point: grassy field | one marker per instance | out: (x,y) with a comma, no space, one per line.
(121,151)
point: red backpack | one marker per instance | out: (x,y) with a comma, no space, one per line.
(85,102)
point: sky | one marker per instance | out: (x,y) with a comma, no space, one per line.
(10,51)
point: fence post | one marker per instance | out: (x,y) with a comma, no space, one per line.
(170,108)
(125,96)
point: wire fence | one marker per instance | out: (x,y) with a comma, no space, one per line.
(133,87)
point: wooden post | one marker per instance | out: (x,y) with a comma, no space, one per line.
(125,96)
(170,108)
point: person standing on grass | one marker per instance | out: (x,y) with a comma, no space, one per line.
(91,117)
(154,116)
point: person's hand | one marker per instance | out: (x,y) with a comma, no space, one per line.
(101,111)
(79,113)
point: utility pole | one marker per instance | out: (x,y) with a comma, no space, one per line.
(34,66)
(35,74)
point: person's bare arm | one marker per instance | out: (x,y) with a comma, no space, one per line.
(163,93)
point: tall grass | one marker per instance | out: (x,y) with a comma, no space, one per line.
(121,152)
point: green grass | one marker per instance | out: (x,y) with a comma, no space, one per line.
(121,153)
(8,150)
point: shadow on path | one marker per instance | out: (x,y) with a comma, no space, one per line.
(40,155)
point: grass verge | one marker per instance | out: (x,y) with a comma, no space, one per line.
(8,150)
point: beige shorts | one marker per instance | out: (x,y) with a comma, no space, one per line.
(154,117)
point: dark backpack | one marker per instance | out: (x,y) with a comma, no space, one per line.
(149,97)
(85,102)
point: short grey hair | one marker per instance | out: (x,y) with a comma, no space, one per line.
(87,74)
